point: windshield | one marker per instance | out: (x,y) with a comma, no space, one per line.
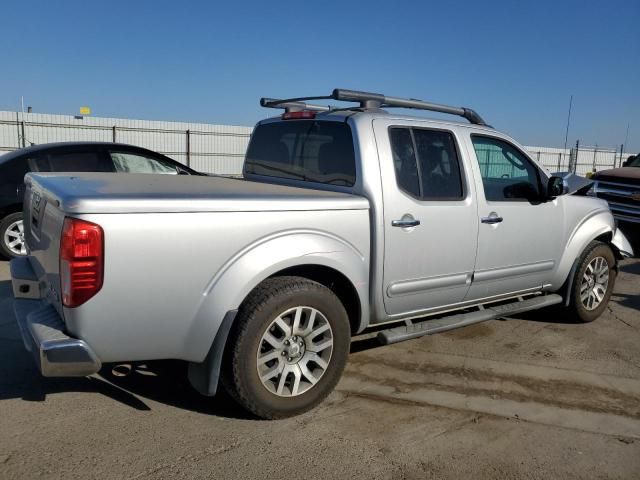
(634,161)
(309,150)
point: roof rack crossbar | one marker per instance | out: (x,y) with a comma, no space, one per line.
(370,101)
(366,98)
(293,105)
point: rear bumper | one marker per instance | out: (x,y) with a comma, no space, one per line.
(43,331)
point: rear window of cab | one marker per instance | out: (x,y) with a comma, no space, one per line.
(308,150)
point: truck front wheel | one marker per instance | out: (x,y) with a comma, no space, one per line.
(287,349)
(593,282)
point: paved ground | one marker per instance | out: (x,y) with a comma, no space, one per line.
(531,397)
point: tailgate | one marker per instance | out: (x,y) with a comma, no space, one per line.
(43,226)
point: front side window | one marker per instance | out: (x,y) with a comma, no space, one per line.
(426,163)
(138,163)
(507,174)
(309,150)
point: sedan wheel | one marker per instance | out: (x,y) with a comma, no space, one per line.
(12,236)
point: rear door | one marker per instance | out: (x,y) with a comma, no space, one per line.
(430,218)
(520,233)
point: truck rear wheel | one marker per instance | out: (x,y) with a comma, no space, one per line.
(287,349)
(593,282)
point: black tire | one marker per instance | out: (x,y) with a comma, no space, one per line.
(576,309)
(5,223)
(266,303)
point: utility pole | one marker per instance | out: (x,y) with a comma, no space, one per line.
(626,137)
(566,133)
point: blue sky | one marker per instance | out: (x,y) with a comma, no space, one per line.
(515,62)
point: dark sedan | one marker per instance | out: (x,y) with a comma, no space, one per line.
(67,157)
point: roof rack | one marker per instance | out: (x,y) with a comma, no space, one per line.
(292,105)
(371,101)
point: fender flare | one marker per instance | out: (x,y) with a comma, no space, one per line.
(244,271)
(597,224)
(263,258)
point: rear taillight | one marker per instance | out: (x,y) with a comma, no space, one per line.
(81,261)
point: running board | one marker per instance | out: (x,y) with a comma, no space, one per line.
(429,327)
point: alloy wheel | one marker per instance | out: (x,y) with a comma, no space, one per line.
(295,351)
(14,238)
(595,282)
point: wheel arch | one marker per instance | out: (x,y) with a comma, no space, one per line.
(319,256)
(313,254)
(335,281)
(599,225)
(9,209)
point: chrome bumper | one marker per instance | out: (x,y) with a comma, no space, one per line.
(42,329)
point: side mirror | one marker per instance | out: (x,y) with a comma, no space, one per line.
(555,187)
(626,163)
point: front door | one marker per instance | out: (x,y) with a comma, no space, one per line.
(520,232)
(430,218)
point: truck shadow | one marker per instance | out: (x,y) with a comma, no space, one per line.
(163,382)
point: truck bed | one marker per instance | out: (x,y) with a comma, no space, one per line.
(141,193)
(179,249)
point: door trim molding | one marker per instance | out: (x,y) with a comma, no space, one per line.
(512,271)
(419,285)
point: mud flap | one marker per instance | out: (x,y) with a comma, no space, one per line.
(204,376)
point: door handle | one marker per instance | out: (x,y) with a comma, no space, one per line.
(405,222)
(492,218)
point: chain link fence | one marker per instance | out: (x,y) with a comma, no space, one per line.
(204,147)
(220,148)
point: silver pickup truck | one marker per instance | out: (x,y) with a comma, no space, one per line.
(347,217)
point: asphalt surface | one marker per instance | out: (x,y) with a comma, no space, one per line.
(528,397)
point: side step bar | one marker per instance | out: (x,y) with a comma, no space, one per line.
(429,327)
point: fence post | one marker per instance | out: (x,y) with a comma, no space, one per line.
(188,149)
(559,160)
(24,140)
(113,134)
(595,151)
(621,153)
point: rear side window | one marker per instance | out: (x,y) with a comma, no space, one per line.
(137,163)
(79,162)
(404,161)
(426,163)
(13,171)
(309,150)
